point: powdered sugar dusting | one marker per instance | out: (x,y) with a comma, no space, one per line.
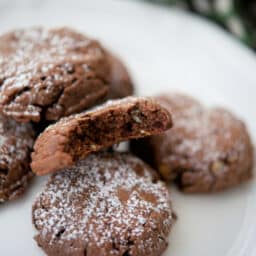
(14,137)
(36,64)
(16,142)
(33,50)
(201,136)
(34,46)
(102,199)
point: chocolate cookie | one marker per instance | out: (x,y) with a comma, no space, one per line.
(121,84)
(74,137)
(206,150)
(16,142)
(107,204)
(47,74)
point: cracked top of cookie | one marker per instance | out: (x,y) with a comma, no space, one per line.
(50,73)
(107,204)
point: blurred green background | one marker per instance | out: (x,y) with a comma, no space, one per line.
(235,16)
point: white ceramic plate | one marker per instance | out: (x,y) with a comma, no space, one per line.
(164,49)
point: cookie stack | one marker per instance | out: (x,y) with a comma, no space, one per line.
(67,99)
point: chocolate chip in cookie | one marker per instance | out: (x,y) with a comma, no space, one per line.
(74,137)
(50,73)
(108,204)
(208,149)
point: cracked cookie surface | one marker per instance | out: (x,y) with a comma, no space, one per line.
(74,137)
(208,149)
(50,73)
(108,204)
(16,142)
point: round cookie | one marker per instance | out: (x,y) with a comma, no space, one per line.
(74,137)
(50,73)
(16,142)
(108,204)
(121,84)
(208,149)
